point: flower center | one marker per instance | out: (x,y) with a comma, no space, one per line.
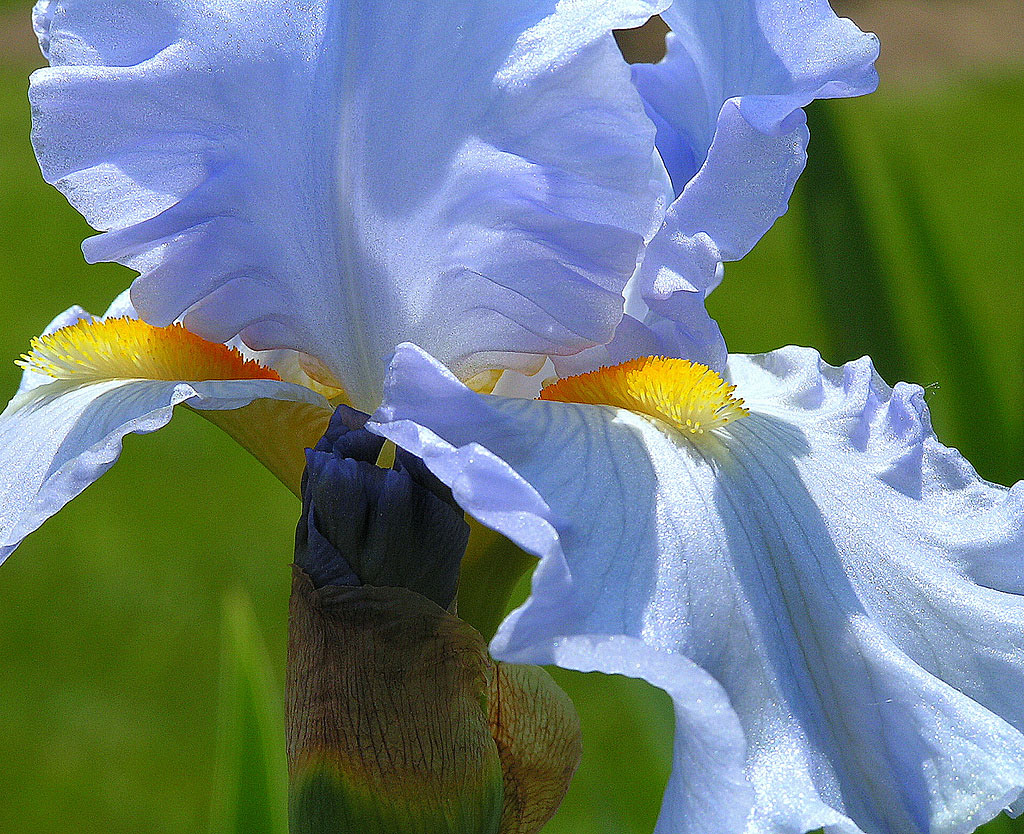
(688,396)
(125,348)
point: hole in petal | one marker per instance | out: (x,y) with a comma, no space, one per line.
(645,44)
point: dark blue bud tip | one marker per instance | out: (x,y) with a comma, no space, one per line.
(363,525)
(346,438)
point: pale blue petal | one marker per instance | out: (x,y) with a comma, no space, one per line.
(59,436)
(744,184)
(57,439)
(670,288)
(742,189)
(707,790)
(632,339)
(337,177)
(527,384)
(122,307)
(850,583)
(1017,808)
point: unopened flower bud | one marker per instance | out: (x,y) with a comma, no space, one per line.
(387,716)
(399,722)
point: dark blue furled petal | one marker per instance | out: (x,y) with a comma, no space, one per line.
(314,553)
(363,525)
(346,438)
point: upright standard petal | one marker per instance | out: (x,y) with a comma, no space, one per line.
(337,177)
(727,102)
(90,382)
(833,598)
(764,59)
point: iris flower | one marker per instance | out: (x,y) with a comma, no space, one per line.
(832,598)
(305,184)
(318,181)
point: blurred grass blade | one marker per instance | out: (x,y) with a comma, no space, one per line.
(982,429)
(843,249)
(490,571)
(251,780)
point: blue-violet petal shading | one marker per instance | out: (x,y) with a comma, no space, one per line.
(339,176)
(833,598)
(727,102)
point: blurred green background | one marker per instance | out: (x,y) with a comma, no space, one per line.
(156,602)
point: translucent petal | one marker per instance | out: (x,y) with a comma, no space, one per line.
(58,438)
(337,177)
(850,584)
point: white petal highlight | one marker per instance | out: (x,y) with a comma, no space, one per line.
(851,585)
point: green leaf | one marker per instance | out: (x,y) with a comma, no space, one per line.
(251,780)
(1003,825)
(981,422)
(627,754)
(942,216)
